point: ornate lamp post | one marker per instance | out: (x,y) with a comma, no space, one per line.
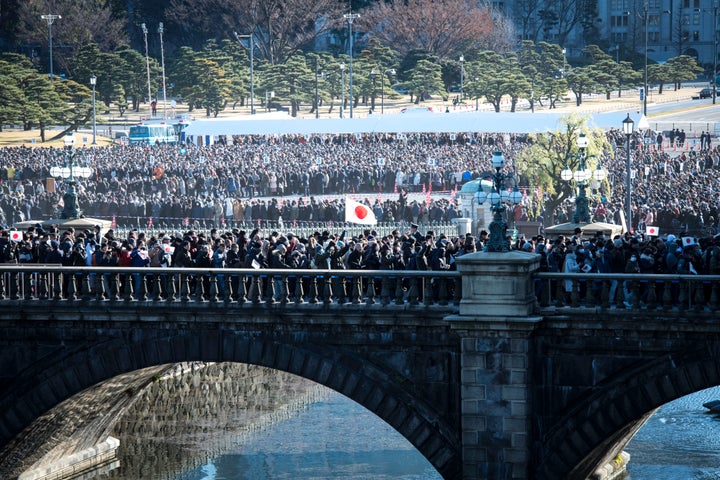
(93,81)
(628,127)
(68,171)
(581,176)
(498,197)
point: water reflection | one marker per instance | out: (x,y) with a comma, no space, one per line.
(680,442)
(233,421)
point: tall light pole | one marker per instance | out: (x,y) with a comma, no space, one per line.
(350,17)
(462,61)
(715,52)
(628,127)
(646,61)
(93,81)
(342,89)
(50,18)
(251,46)
(317,99)
(382,87)
(162,60)
(147,60)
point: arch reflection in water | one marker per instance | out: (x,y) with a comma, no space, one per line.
(680,441)
(246,422)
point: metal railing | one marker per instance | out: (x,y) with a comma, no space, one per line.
(678,293)
(300,229)
(37,283)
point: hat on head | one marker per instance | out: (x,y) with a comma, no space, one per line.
(671,238)
(54,243)
(413,225)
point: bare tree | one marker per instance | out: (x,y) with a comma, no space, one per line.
(280,27)
(445,28)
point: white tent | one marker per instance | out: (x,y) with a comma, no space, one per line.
(503,122)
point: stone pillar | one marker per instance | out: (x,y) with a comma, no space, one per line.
(463,225)
(495,324)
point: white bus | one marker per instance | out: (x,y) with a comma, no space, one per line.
(152,134)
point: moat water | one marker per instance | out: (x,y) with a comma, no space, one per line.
(297,430)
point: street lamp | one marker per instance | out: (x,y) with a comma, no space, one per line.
(498,197)
(147,61)
(715,52)
(317,85)
(462,61)
(645,95)
(50,18)
(68,172)
(162,60)
(251,46)
(93,81)
(581,176)
(628,127)
(342,93)
(350,17)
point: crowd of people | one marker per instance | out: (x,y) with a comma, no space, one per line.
(300,177)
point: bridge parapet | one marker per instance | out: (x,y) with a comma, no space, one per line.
(668,293)
(272,286)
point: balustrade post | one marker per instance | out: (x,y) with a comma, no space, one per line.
(298,296)
(254,294)
(2,285)
(184,287)
(42,285)
(699,297)
(284,295)
(28,286)
(57,285)
(71,293)
(356,293)
(128,293)
(213,293)
(156,294)
(114,287)
(442,291)
(199,288)
(370,300)
(667,299)
(313,287)
(327,289)
(241,294)
(86,288)
(414,292)
(714,295)
(399,291)
(99,287)
(605,293)
(385,291)
(14,288)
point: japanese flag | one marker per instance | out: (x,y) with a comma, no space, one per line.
(16,235)
(654,231)
(358,213)
(688,241)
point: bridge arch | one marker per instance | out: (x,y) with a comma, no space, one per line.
(596,428)
(369,384)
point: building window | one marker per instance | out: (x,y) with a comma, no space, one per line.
(654,37)
(654,20)
(619,21)
(696,36)
(619,37)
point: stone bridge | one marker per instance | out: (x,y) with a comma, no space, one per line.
(492,372)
